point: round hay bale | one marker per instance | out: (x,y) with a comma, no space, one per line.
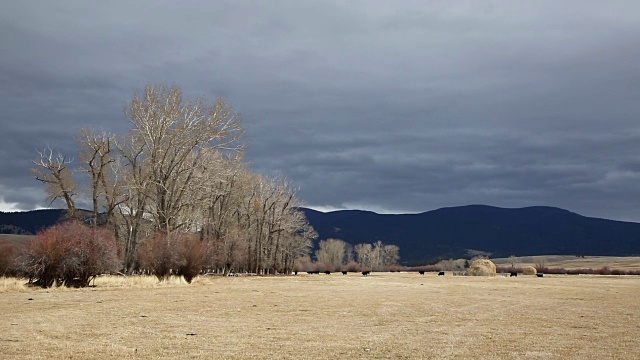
(529,270)
(481,267)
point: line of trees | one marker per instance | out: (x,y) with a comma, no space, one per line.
(338,255)
(179,175)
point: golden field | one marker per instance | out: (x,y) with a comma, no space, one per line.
(571,262)
(382,316)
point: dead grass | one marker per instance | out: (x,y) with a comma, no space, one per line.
(390,315)
(16,239)
(12,285)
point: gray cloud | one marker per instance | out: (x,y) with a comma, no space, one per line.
(385,106)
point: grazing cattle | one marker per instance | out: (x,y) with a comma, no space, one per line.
(366,273)
(421,272)
(540,275)
(344,273)
(328,272)
(514,274)
(441,273)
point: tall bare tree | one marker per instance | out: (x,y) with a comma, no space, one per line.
(54,171)
(391,255)
(171,134)
(364,253)
(332,252)
(95,156)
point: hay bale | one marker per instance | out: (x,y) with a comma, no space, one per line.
(481,267)
(529,270)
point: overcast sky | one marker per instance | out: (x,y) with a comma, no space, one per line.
(394,106)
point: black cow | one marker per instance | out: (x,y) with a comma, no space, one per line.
(366,273)
(540,275)
(327,272)
(344,273)
(295,273)
(514,274)
(421,272)
(441,273)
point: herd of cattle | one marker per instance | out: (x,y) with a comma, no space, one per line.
(441,273)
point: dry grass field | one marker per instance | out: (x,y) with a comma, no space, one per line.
(16,239)
(572,262)
(383,316)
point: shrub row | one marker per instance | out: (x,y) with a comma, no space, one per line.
(179,254)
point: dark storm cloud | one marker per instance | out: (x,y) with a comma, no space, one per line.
(389,106)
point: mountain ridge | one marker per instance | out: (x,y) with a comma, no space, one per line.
(453,231)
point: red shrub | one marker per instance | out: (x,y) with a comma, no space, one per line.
(193,255)
(69,254)
(351,266)
(303,264)
(322,267)
(577,271)
(397,268)
(508,269)
(180,253)
(158,255)
(546,270)
(229,252)
(426,268)
(8,254)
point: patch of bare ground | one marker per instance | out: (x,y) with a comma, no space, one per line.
(385,315)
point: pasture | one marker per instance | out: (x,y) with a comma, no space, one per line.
(15,239)
(384,315)
(573,262)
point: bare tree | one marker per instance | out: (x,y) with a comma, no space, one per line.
(331,252)
(364,253)
(96,156)
(231,250)
(391,255)
(170,134)
(541,262)
(54,171)
(377,255)
(297,238)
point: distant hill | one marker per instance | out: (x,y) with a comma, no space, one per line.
(448,232)
(452,232)
(29,222)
